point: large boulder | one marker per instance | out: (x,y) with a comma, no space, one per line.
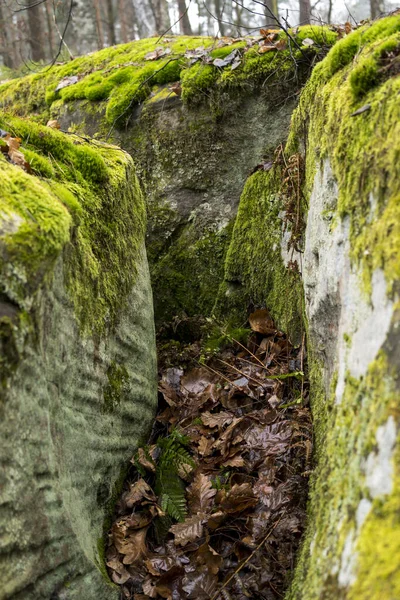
(193,147)
(77,357)
(326,217)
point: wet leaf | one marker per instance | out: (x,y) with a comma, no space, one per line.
(188,531)
(54,124)
(67,81)
(201,494)
(137,492)
(261,322)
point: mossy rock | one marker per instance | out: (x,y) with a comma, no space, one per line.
(193,153)
(77,356)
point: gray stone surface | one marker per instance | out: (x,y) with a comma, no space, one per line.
(63,449)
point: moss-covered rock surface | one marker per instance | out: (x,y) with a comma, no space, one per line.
(193,152)
(77,387)
(335,228)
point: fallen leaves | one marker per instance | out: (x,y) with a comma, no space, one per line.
(66,82)
(54,124)
(229,467)
(10,149)
(159,52)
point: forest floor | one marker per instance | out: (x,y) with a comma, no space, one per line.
(215,503)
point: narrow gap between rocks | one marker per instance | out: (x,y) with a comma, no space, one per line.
(214,504)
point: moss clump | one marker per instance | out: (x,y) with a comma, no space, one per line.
(83,199)
(187,277)
(117,386)
(345,437)
(363,150)
(122,77)
(254,270)
(369,176)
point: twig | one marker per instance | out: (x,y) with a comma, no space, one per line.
(247,560)
(176,22)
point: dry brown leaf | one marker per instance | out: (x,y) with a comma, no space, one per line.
(188,531)
(206,555)
(119,573)
(67,81)
(234,461)
(261,322)
(137,492)
(197,380)
(135,548)
(54,124)
(266,48)
(205,446)
(176,88)
(239,498)
(201,494)
(217,419)
(158,53)
(143,459)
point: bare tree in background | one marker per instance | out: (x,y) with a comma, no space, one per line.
(305,11)
(271,11)
(377,8)
(110,23)
(184,23)
(99,24)
(36,33)
(84,34)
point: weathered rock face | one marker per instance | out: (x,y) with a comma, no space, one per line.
(336,231)
(322,218)
(193,152)
(77,388)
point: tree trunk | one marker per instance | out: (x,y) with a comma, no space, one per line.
(6,47)
(184,23)
(271,11)
(144,17)
(50,29)
(35,26)
(99,25)
(161,16)
(377,8)
(330,6)
(305,11)
(110,23)
(123,21)
(219,14)
(84,20)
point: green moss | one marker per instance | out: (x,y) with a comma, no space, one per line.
(378,549)
(254,269)
(117,387)
(122,76)
(88,205)
(363,151)
(348,435)
(369,176)
(187,277)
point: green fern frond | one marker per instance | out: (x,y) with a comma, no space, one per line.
(169,486)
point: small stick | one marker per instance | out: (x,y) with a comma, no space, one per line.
(246,561)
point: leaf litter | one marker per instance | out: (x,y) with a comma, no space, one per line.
(215,504)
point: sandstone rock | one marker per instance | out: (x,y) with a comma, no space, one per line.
(77,386)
